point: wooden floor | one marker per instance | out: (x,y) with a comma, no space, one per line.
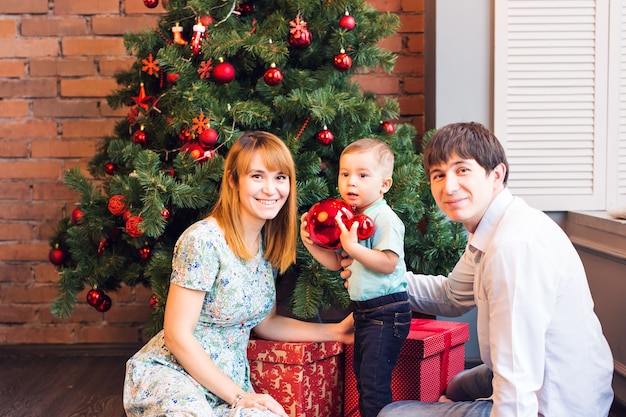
(73,381)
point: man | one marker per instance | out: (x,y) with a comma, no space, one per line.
(540,341)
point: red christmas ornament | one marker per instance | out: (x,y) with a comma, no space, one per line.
(322,226)
(126,215)
(177,31)
(77,216)
(117,205)
(94,296)
(273,76)
(151,4)
(206,20)
(104,304)
(101,247)
(366,226)
(56,255)
(388,127)
(197,152)
(145,253)
(154,300)
(325,137)
(140,137)
(347,22)
(245,9)
(224,72)
(299,35)
(110,168)
(185,135)
(132,226)
(342,61)
(198,37)
(208,138)
(172,78)
(166,213)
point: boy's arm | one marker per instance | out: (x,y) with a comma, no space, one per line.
(327,257)
(382,262)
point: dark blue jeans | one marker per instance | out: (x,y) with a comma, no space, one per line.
(381,326)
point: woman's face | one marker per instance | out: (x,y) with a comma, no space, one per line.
(262,193)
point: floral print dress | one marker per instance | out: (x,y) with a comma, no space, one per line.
(239,295)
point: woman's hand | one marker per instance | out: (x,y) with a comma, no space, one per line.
(261,402)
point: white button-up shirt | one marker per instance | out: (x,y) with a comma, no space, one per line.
(537,330)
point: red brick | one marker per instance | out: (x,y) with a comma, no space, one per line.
(411,105)
(21,252)
(63,7)
(411,23)
(14,149)
(386,5)
(81,46)
(46,272)
(27,48)
(107,334)
(379,84)
(15,232)
(26,211)
(415,43)
(23,6)
(48,26)
(30,169)
(108,25)
(13,109)
(413,5)
(392,43)
(17,314)
(64,149)
(35,333)
(109,66)
(16,190)
(70,67)
(409,64)
(13,272)
(107,111)
(53,191)
(413,85)
(8,29)
(28,129)
(84,87)
(28,88)
(87,128)
(65,108)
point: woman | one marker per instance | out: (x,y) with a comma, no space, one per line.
(222,287)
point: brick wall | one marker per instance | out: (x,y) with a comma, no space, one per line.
(57,58)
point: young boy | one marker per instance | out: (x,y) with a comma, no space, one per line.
(382,317)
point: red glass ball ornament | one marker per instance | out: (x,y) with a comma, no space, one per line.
(154,300)
(206,20)
(185,135)
(366,226)
(342,61)
(151,4)
(300,39)
(140,137)
(388,127)
(172,78)
(132,226)
(94,296)
(347,22)
(224,72)
(166,213)
(77,216)
(117,205)
(321,223)
(110,168)
(145,253)
(325,137)
(56,256)
(208,138)
(104,304)
(273,76)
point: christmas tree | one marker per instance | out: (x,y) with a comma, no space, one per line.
(211,70)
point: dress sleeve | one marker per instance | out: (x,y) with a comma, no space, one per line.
(195,264)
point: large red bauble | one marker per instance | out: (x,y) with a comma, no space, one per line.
(300,39)
(322,226)
(104,304)
(151,4)
(56,256)
(273,76)
(224,73)
(140,137)
(208,138)
(325,137)
(347,22)
(342,62)
(94,296)
(77,216)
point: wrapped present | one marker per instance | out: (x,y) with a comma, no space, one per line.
(305,378)
(432,354)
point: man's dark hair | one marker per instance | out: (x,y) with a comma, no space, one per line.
(469,140)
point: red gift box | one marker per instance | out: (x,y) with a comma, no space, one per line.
(305,378)
(432,354)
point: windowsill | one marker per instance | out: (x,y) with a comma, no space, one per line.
(598,232)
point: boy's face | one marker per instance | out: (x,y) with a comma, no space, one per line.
(463,190)
(361,180)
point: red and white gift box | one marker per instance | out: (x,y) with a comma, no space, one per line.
(305,378)
(432,354)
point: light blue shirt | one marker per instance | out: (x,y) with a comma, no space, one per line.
(388,235)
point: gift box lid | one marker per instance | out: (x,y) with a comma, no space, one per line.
(435,336)
(292,352)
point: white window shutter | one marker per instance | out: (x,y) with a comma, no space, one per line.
(550,107)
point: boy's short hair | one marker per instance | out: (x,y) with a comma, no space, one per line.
(383,152)
(469,140)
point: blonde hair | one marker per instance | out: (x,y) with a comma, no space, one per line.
(382,152)
(280,233)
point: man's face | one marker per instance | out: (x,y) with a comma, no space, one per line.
(463,190)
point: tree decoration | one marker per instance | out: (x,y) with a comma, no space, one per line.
(185,134)
(142,99)
(198,36)
(102,246)
(104,304)
(342,61)
(200,123)
(151,4)
(325,136)
(56,255)
(244,9)
(166,213)
(154,300)
(140,137)
(224,72)
(197,152)
(387,127)
(205,69)
(299,35)
(150,65)
(177,31)
(132,226)
(347,22)
(206,20)
(77,216)
(172,78)
(145,252)
(110,168)
(94,296)
(321,222)
(273,76)
(208,138)
(117,205)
